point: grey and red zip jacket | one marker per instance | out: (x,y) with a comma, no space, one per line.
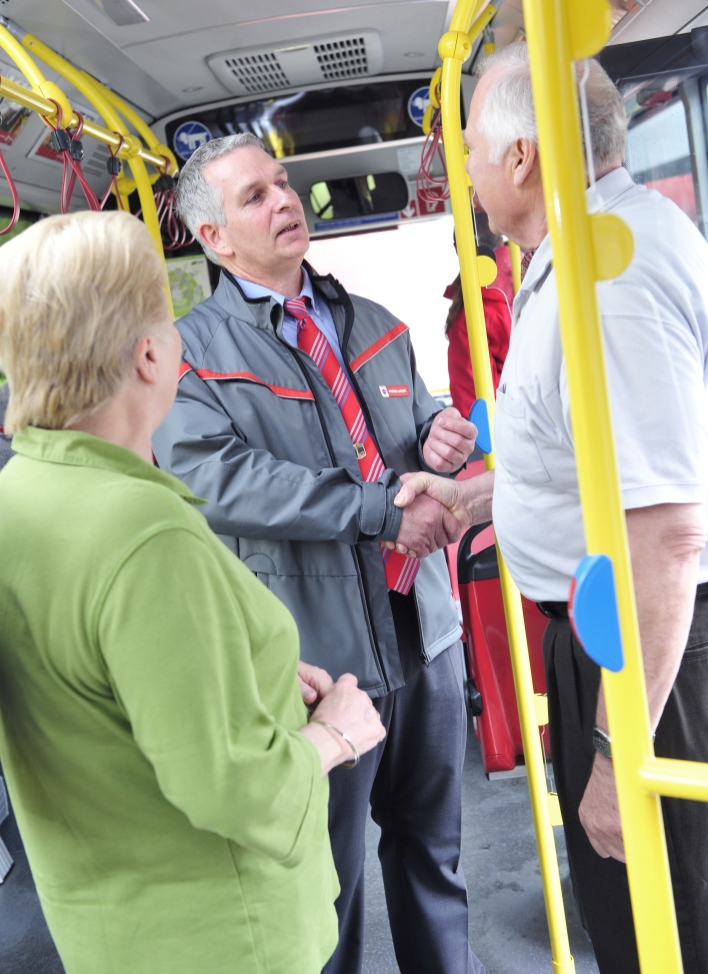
(256,431)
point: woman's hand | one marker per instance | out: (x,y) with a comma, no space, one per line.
(314,683)
(350,710)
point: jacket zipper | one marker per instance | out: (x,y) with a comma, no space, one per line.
(357,556)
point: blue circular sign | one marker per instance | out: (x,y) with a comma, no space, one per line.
(417,103)
(188,137)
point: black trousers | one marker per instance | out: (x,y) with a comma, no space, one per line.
(601,884)
(413,782)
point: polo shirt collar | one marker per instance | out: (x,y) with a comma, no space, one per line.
(602,196)
(77,449)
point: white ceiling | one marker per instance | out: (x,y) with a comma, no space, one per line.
(153,64)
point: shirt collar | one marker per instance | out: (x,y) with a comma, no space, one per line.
(254,291)
(73,448)
(601,196)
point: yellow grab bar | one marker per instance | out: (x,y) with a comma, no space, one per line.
(454,48)
(560,32)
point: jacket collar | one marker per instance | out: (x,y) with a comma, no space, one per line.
(72,448)
(602,196)
(266,311)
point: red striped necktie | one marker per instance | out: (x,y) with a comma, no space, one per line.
(400,570)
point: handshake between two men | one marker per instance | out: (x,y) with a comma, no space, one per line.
(435,510)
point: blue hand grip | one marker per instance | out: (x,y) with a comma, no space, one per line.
(479,415)
(593,612)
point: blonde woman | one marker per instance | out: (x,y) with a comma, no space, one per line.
(171,797)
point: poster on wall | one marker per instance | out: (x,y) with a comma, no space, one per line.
(13,116)
(189,283)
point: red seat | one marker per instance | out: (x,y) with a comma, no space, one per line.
(488,658)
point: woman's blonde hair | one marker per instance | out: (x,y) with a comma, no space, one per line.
(77,292)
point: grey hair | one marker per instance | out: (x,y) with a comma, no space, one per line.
(508,112)
(197,201)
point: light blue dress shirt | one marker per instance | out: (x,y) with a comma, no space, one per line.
(317,306)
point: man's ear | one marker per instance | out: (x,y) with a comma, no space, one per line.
(210,234)
(523,157)
(145,358)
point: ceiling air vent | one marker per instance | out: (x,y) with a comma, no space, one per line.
(342,59)
(260,70)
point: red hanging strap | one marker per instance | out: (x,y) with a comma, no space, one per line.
(432,189)
(172,228)
(71,151)
(174,232)
(113,165)
(13,192)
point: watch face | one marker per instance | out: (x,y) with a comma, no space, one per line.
(601,742)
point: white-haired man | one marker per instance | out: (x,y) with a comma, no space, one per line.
(655,325)
(296,407)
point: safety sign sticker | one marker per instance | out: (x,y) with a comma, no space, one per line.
(188,137)
(417,103)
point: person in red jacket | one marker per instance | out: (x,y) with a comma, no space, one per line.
(497,300)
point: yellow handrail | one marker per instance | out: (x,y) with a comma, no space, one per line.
(41,105)
(139,124)
(454,48)
(560,32)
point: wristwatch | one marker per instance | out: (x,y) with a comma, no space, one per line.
(602,742)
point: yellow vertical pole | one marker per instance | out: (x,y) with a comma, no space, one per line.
(515,258)
(454,49)
(559,32)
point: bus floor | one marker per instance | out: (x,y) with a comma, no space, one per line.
(507,922)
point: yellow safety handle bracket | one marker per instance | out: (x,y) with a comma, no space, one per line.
(586,249)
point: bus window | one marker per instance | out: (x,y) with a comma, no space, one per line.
(407,270)
(658,148)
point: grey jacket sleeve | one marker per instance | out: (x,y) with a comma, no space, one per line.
(252,494)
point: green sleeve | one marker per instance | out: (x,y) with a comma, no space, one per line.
(174,638)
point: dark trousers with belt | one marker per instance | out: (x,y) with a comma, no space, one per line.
(601,884)
(412,781)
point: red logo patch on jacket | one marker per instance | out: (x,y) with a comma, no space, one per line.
(394,392)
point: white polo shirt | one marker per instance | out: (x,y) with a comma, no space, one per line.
(655,329)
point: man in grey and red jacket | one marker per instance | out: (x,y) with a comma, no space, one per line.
(298,409)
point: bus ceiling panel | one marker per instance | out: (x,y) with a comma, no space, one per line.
(74,28)
(676,56)
(408,31)
(657,18)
